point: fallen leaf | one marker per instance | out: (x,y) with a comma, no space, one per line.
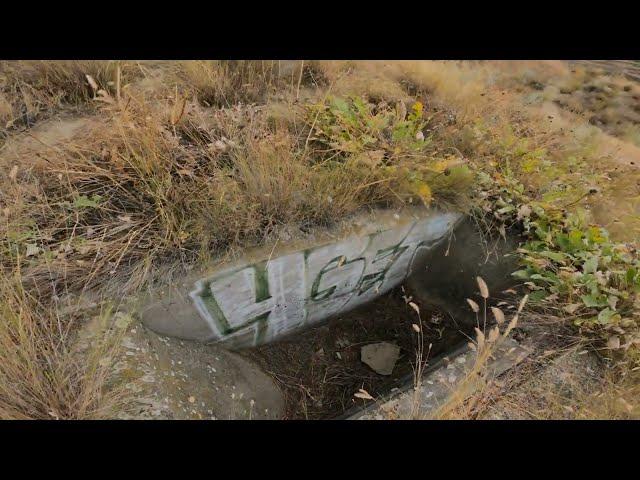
(32,249)
(571,308)
(363,394)
(524,211)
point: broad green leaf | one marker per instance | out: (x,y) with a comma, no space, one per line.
(84,202)
(521,274)
(537,296)
(606,316)
(594,300)
(591,265)
(555,256)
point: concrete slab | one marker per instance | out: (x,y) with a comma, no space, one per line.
(275,290)
(181,380)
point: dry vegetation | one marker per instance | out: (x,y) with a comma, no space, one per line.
(44,375)
(114,174)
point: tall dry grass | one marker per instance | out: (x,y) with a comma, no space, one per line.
(465,396)
(224,83)
(43,375)
(33,90)
(149,184)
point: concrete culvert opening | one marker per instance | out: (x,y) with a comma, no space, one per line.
(340,323)
(324,371)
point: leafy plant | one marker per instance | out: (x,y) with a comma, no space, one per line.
(82,201)
(351,125)
(390,142)
(571,266)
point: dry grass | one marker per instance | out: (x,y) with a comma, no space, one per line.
(171,182)
(43,375)
(562,378)
(225,83)
(33,90)
(562,384)
(470,390)
(154,180)
(132,191)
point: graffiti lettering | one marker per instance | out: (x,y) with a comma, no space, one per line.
(259,302)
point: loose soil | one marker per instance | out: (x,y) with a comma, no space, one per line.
(320,370)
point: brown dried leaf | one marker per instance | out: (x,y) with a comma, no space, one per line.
(363,394)
(614,342)
(13,174)
(571,308)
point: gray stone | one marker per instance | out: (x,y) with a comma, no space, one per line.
(381,357)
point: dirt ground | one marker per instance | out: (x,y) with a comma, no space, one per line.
(320,370)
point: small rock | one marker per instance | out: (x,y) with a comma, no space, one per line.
(381,357)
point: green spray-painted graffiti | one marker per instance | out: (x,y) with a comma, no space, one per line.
(262,301)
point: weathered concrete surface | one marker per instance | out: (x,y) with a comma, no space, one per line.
(272,292)
(439,381)
(448,271)
(180,380)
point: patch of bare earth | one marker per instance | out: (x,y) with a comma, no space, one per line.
(321,370)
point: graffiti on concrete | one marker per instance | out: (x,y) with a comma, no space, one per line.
(256,303)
